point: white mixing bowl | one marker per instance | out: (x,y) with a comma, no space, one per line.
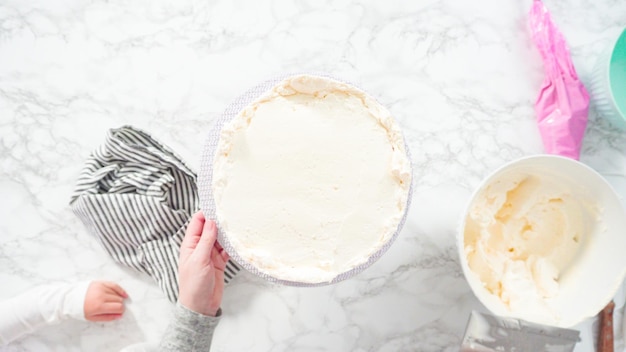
(592,278)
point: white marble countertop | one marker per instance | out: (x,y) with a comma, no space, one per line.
(461,77)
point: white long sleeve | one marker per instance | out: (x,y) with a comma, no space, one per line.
(44,305)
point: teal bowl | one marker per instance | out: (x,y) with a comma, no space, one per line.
(608,84)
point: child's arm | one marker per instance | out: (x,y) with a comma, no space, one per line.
(201,286)
(189,330)
(50,304)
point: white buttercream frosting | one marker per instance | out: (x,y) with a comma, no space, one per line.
(521,232)
(310,179)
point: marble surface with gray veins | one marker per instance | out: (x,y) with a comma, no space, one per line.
(461,77)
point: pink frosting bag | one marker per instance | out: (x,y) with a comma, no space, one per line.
(563,102)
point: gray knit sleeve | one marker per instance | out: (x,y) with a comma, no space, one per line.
(189,331)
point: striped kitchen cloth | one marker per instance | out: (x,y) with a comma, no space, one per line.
(137,197)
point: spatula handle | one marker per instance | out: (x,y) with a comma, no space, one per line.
(605,338)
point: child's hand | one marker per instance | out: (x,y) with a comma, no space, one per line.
(104,301)
(201,267)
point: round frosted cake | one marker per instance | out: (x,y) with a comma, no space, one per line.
(310,179)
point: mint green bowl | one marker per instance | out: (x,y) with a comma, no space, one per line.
(608,85)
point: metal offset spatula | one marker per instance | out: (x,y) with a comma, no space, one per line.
(488,333)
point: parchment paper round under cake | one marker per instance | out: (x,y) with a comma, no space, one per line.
(308,179)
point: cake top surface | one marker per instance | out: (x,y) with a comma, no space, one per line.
(310,180)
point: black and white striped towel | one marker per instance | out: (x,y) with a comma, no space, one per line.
(137,197)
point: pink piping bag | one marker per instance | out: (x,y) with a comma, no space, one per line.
(563,102)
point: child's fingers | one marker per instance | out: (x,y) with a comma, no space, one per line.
(192,234)
(111,308)
(224,255)
(116,288)
(113,297)
(104,317)
(207,239)
(218,261)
